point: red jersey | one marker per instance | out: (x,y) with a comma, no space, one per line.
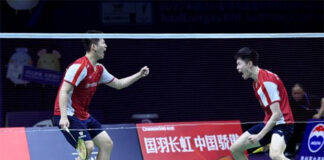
(270,89)
(85,78)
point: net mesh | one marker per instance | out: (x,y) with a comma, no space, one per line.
(192,79)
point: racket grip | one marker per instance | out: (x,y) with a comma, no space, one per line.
(68,131)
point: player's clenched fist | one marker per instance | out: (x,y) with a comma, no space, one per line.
(144,71)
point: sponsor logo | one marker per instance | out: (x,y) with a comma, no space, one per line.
(158,128)
(81,135)
(88,85)
(316,138)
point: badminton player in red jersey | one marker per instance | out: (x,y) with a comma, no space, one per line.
(75,93)
(277,126)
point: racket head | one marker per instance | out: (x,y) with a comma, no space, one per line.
(82,150)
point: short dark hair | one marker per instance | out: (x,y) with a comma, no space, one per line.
(88,42)
(299,85)
(247,55)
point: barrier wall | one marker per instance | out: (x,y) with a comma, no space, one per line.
(13,144)
(155,141)
(188,140)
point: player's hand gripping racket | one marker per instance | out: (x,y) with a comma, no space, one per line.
(81,147)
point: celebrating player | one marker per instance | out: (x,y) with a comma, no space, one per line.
(272,95)
(75,93)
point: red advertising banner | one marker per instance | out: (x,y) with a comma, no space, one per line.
(188,140)
(13,144)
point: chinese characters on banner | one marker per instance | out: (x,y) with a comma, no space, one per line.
(188,140)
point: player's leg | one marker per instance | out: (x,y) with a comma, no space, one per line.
(277,147)
(280,137)
(75,126)
(90,146)
(104,144)
(242,144)
(79,130)
(100,138)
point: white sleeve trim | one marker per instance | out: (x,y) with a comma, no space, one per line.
(70,109)
(262,97)
(71,73)
(272,90)
(106,77)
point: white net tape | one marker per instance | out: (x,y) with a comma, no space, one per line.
(158,36)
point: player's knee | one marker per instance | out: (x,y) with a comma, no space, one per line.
(275,157)
(90,147)
(235,148)
(232,149)
(110,143)
(275,154)
(107,144)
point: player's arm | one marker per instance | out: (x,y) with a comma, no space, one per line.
(66,88)
(127,81)
(271,123)
(320,113)
(275,108)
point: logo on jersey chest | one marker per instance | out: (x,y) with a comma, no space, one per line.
(92,80)
(89,85)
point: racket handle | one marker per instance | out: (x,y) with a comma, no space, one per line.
(68,131)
